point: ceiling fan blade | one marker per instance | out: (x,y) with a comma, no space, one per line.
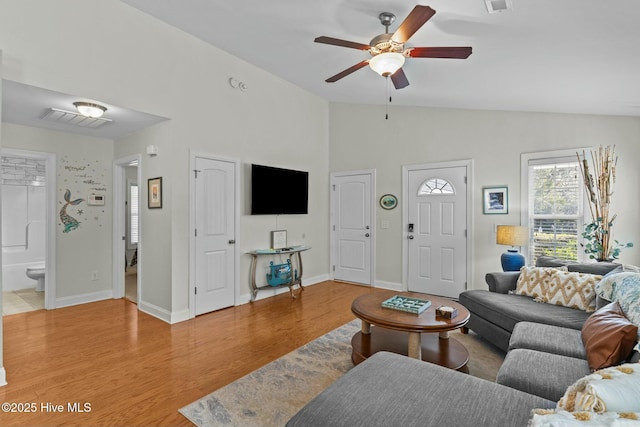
(343,43)
(399,79)
(412,23)
(346,72)
(440,52)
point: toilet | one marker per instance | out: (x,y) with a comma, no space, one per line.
(37,273)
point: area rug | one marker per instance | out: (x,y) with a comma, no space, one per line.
(271,395)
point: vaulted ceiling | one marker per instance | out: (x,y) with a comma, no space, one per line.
(577,56)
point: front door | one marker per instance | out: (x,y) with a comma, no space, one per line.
(352,231)
(214,235)
(436,230)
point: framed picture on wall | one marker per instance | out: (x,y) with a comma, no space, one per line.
(278,239)
(495,200)
(154,193)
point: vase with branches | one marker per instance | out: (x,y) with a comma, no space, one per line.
(598,237)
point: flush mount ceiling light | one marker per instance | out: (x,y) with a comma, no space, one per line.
(90,109)
(387,63)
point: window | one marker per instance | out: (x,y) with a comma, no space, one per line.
(436,186)
(553,205)
(133,214)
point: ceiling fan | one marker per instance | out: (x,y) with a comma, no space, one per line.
(388,50)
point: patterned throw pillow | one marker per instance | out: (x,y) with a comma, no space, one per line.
(615,389)
(572,289)
(607,286)
(559,418)
(534,281)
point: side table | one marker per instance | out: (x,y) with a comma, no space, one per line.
(294,254)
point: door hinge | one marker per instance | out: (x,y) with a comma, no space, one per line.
(465,233)
(334,268)
(334,228)
(195,232)
(465,179)
(196,290)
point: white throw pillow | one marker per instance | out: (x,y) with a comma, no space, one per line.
(614,389)
(551,418)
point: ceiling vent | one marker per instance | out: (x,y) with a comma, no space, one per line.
(494,6)
(75,119)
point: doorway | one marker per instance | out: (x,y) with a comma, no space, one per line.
(436,223)
(353,226)
(214,222)
(127,236)
(28,230)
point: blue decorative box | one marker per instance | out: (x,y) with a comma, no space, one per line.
(408,304)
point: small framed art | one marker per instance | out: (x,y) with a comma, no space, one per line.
(388,201)
(154,193)
(495,200)
(278,239)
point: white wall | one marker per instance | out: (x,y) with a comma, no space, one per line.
(361,138)
(145,65)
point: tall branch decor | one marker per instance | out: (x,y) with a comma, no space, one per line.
(599,243)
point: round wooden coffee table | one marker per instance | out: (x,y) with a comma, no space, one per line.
(424,336)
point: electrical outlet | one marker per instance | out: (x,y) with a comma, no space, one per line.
(94,275)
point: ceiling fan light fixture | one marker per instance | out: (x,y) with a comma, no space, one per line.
(387,63)
(90,109)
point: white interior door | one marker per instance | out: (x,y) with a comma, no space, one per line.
(214,235)
(436,230)
(352,227)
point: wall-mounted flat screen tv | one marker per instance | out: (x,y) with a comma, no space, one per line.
(276,191)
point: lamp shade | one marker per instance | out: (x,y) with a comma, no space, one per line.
(386,63)
(512,235)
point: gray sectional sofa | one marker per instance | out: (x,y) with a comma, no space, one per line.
(494,313)
(390,390)
(545,356)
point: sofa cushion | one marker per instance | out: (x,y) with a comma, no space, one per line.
(392,390)
(506,310)
(534,282)
(543,374)
(615,389)
(600,268)
(548,339)
(572,289)
(608,337)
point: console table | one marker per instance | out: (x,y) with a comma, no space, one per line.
(293,253)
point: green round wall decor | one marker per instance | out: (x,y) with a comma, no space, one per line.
(388,201)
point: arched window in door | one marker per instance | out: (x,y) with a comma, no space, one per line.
(436,186)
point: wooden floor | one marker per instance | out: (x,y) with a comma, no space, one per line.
(135,370)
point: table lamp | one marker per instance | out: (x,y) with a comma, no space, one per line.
(512,235)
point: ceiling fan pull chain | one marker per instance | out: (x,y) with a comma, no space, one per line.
(388,100)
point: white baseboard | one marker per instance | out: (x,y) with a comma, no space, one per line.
(155,311)
(180,316)
(3,377)
(389,285)
(83,298)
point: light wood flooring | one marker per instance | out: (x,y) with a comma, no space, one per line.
(135,370)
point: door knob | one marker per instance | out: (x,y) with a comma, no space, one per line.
(232,242)
(410,237)
(366,235)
